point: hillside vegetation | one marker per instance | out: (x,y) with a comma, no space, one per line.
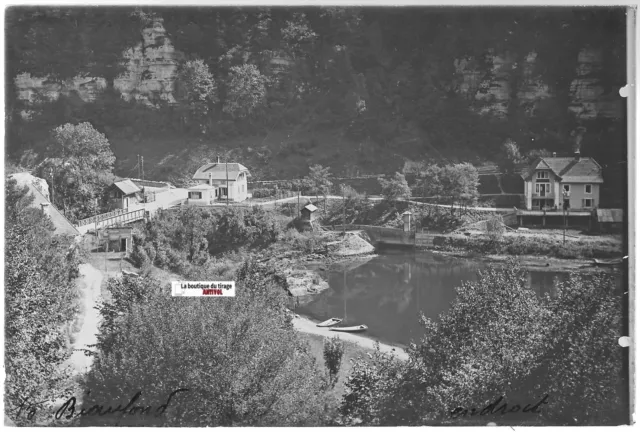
(282,88)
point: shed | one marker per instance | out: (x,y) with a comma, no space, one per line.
(609,220)
(308,212)
(122,194)
(118,239)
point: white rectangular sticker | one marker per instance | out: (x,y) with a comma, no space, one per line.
(203,289)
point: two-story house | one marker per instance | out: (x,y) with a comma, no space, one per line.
(218,180)
(556,183)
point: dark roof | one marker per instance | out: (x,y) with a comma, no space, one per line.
(610,215)
(60,222)
(127,187)
(219,171)
(567,169)
(151,183)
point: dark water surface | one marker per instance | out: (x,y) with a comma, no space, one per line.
(389,292)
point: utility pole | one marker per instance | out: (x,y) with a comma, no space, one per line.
(298,202)
(226,168)
(52,186)
(138,164)
(564,217)
(142,166)
(344,211)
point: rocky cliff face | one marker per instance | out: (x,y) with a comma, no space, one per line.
(588,98)
(150,70)
(151,66)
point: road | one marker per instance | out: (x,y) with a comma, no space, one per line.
(307,326)
(336,197)
(89,318)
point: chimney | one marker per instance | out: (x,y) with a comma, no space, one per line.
(576,154)
(210,179)
(218,159)
(45,209)
(554,154)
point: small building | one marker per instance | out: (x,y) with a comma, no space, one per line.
(229,180)
(124,194)
(308,213)
(117,239)
(202,194)
(608,220)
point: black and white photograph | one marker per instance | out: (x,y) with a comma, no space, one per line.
(319,215)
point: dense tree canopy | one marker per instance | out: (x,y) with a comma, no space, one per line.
(499,340)
(458,80)
(239,358)
(80,166)
(40,301)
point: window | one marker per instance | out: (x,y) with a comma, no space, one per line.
(195,195)
(542,174)
(567,188)
(587,189)
(588,203)
(542,188)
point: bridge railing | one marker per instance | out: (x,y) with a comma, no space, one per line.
(100,217)
(121,218)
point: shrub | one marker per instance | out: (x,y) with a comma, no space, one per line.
(333,351)
(263,193)
(495,228)
(139,256)
(395,188)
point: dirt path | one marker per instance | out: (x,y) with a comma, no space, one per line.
(307,326)
(91,279)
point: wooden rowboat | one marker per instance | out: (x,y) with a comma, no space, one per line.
(330,322)
(607,262)
(353,329)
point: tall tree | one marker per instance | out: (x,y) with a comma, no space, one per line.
(197,90)
(80,166)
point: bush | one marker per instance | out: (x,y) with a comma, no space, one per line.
(333,351)
(139,256)
(495,228)
(263,193)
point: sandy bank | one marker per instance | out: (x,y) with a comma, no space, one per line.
(305,325)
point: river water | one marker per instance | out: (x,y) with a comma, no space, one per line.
(388,292)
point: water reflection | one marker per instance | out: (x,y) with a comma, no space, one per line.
(389,292)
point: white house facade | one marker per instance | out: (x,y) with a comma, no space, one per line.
(554,183)
(222,179)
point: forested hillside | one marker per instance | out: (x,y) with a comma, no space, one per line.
(361,90)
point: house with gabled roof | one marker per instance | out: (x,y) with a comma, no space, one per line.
(562,183)
(226,179)
(124,194)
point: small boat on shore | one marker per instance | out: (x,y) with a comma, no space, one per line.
(330,322)
(354,329)
(607,262)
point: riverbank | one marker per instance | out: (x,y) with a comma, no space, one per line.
(543,244)
(305,325)
(531,262)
